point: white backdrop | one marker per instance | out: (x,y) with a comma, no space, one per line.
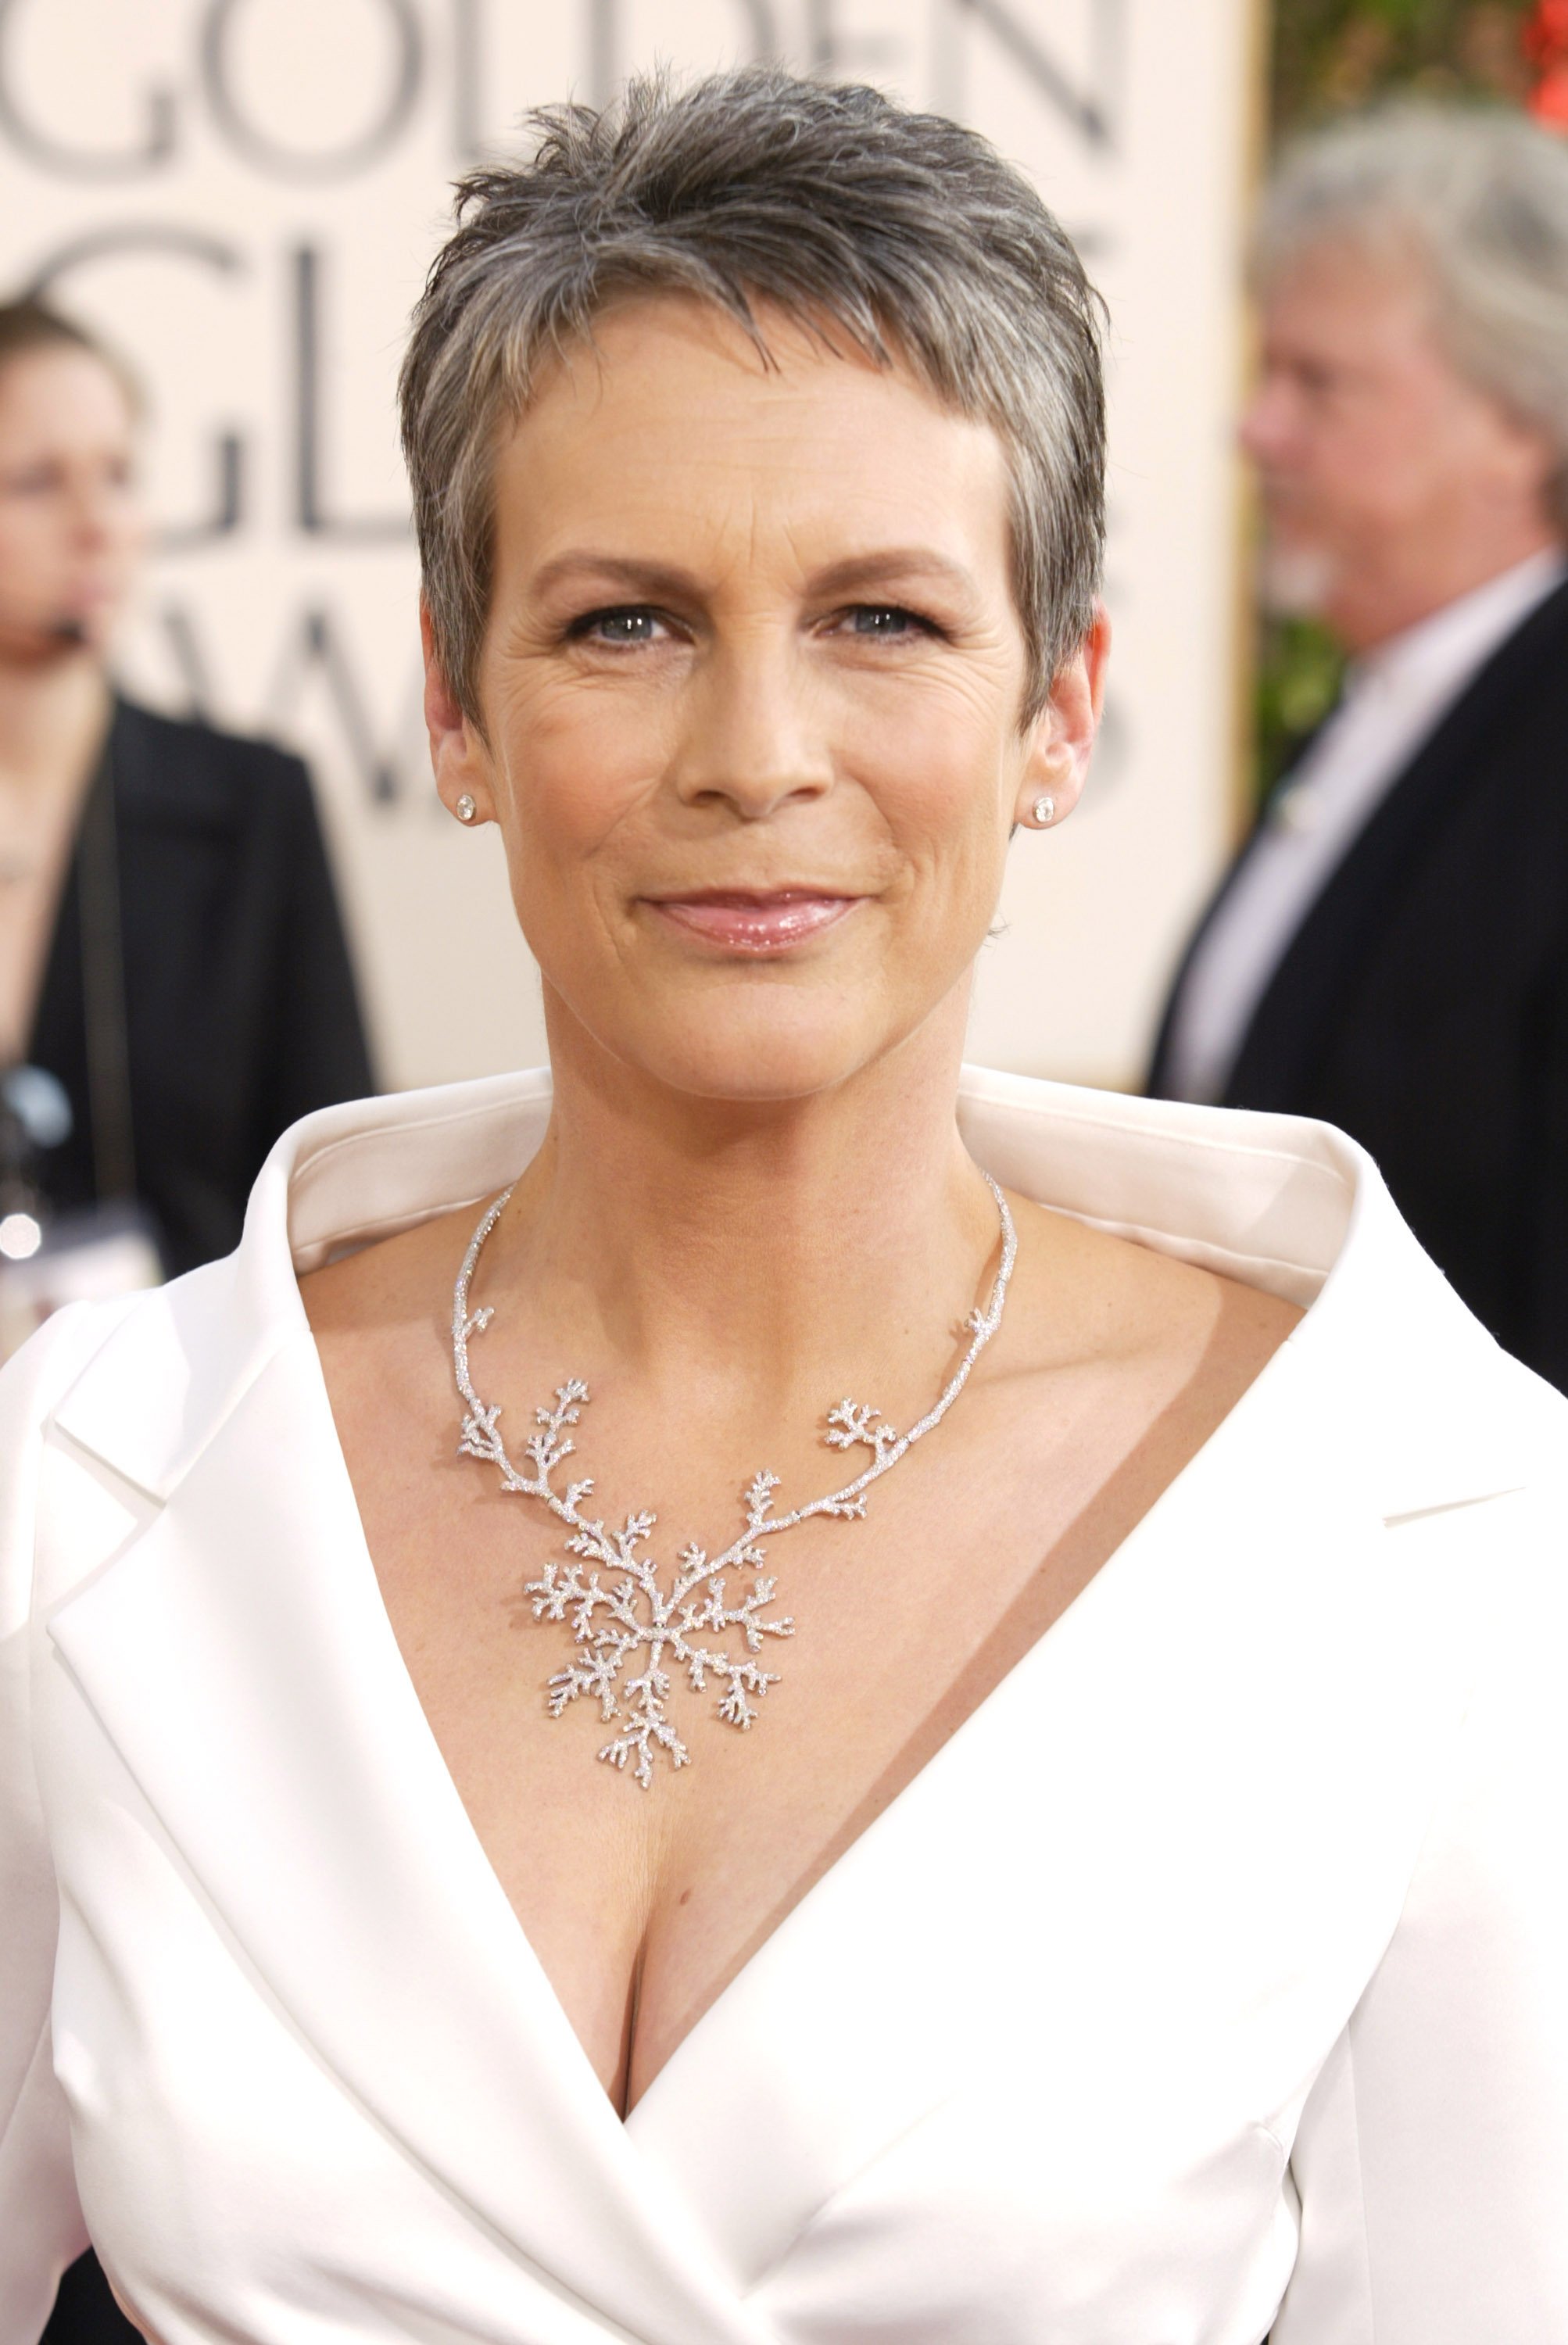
(244,194)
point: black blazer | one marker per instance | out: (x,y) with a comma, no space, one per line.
(1422,1003)
(240,1011)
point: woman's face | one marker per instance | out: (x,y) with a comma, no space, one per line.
(70,525)
(751,687)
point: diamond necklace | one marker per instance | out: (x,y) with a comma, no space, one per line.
(630,1612)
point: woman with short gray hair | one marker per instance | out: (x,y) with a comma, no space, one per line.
(1063,1854)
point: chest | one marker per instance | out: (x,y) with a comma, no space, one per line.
(661,1755)
(1025,2061)
(937,2096)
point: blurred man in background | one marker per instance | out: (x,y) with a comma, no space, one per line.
(1390,951)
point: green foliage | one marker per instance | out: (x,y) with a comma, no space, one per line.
(1329,56)
(1299,668)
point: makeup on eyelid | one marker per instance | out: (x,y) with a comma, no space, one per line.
(617,625)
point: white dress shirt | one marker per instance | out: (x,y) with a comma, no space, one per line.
(1211,1982)
(1393,699)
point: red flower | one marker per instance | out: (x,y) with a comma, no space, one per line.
(1546,33)
(1545,43)
(1548,101)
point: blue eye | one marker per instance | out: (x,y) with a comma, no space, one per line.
(625,626)
(882,619)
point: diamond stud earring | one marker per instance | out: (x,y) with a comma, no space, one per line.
(1043,812)
(465,808)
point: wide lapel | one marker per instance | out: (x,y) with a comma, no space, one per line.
(1227,1746)
(1306,997)
(963,1950)
(1224,1749)
(237,1655)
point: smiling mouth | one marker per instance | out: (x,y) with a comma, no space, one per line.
(740,921)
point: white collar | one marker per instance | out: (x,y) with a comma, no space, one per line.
(1281,1203)
(1455,642)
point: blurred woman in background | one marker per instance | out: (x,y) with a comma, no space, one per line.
(170,946)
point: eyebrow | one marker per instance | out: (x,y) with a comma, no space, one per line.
(893,562)
(654,580)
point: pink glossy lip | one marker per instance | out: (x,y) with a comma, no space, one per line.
(740,921)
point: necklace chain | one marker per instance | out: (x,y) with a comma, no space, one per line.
(628,1612)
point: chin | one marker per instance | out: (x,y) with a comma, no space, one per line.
(758,1060)
(1296,582)
(753,1045)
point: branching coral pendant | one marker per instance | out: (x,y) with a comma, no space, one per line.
(622,1616)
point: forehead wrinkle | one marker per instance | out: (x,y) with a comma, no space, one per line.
(877,566)
(740,474)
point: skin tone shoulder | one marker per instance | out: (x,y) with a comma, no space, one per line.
(748,719)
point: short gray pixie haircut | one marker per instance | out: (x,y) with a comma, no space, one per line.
(1477,198)
(904,234)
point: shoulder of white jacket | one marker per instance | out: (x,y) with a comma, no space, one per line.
(1419,1403)
(45,1366)
(170,1369)
(1434,1411)
(1405,1396)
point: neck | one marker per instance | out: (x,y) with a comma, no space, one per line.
(697,1238)
(1370,610)
(53,712)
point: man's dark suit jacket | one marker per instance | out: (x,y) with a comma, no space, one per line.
(239,1002)
(1422,1003)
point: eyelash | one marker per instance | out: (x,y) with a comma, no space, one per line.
(918,623)
(583,629)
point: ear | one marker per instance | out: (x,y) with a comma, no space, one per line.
(457,749)
(1061,736)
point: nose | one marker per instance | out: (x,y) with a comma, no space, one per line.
(1267,420)
(93,513)
(753,736)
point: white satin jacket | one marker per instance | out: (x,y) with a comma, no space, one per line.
(1212,1979)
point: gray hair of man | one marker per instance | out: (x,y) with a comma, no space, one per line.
(1477,199)
(903,235)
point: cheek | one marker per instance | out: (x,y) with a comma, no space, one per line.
(132,531)
(575,764)
(941,772)
(1393,447)
(26,526)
